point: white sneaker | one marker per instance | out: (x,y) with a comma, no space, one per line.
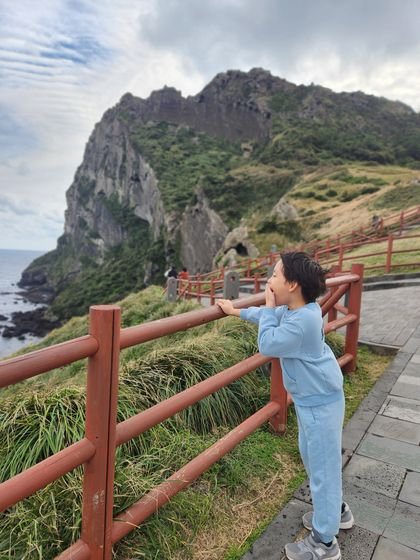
(309,549)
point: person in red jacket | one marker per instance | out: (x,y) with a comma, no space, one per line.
(183,275)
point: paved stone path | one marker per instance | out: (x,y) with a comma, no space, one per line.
(381,447)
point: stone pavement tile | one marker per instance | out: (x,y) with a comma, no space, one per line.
(401,408)
(391,451)
(284,529)
(303,493)
(401,360)
(412,369)
(415,359)
(410,491)
(403,336)
(356,427)
(407,386)
(357,544)
(374,475)
(374,399)
(414,322)
(404,526)
(390,550)
(388,338)
(372,511)
(396,429)
(412,345)
(387,381)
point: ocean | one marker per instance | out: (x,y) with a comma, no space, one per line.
(12,264)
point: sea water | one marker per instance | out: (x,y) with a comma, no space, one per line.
(12,264)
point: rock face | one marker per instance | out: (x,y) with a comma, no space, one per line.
(284,211)
(236,244)
(113,171)
(29,322)
(202,232)
(224,108)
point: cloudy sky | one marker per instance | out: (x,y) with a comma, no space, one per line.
(64,62)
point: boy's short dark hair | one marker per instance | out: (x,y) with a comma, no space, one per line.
(301,268)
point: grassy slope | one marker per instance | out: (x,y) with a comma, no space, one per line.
(334,199)
(225,509)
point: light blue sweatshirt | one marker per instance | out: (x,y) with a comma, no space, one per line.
(311,372)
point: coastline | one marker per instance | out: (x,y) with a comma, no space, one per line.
(17,307)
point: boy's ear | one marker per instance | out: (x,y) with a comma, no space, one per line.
(293,286)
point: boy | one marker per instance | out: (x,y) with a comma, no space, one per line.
(291,328)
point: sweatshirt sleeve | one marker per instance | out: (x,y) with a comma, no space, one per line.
(253,314)
(280,341)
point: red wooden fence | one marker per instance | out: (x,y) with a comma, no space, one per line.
(96,451)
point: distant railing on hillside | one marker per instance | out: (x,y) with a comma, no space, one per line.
(384,226)
(206,284)
(96,451)
(340,255)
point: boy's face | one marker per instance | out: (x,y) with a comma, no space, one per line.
(280,287)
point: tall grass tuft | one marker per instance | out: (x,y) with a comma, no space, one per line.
(169,370)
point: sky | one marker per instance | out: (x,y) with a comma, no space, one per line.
(63,63)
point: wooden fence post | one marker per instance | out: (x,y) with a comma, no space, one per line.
(256,283)
(332,313)
(341,257)
(388,264)
(278,394)
(199,290)
(354,306)
(101,417)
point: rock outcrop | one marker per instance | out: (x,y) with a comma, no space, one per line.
(202,232)
(284,211)
(235,245)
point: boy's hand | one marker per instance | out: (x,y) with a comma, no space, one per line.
(227,307)
(270,300)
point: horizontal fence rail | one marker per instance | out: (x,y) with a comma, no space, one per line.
(40,361)
(103,435)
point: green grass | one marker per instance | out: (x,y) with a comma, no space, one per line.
(225,509)
(398,198)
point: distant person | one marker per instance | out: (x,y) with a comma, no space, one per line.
(290,328)
(171,272)
(183,275)
(376,221)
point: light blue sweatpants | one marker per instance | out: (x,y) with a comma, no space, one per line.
(320,432)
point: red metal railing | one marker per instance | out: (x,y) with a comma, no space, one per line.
(339,254)
(331,250)
(391,224)
(96,451)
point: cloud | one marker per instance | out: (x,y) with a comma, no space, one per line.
(323,42)
(63,63)
(15,137)
(8,206)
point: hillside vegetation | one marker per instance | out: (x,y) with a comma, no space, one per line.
(332,200)
(225,509)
